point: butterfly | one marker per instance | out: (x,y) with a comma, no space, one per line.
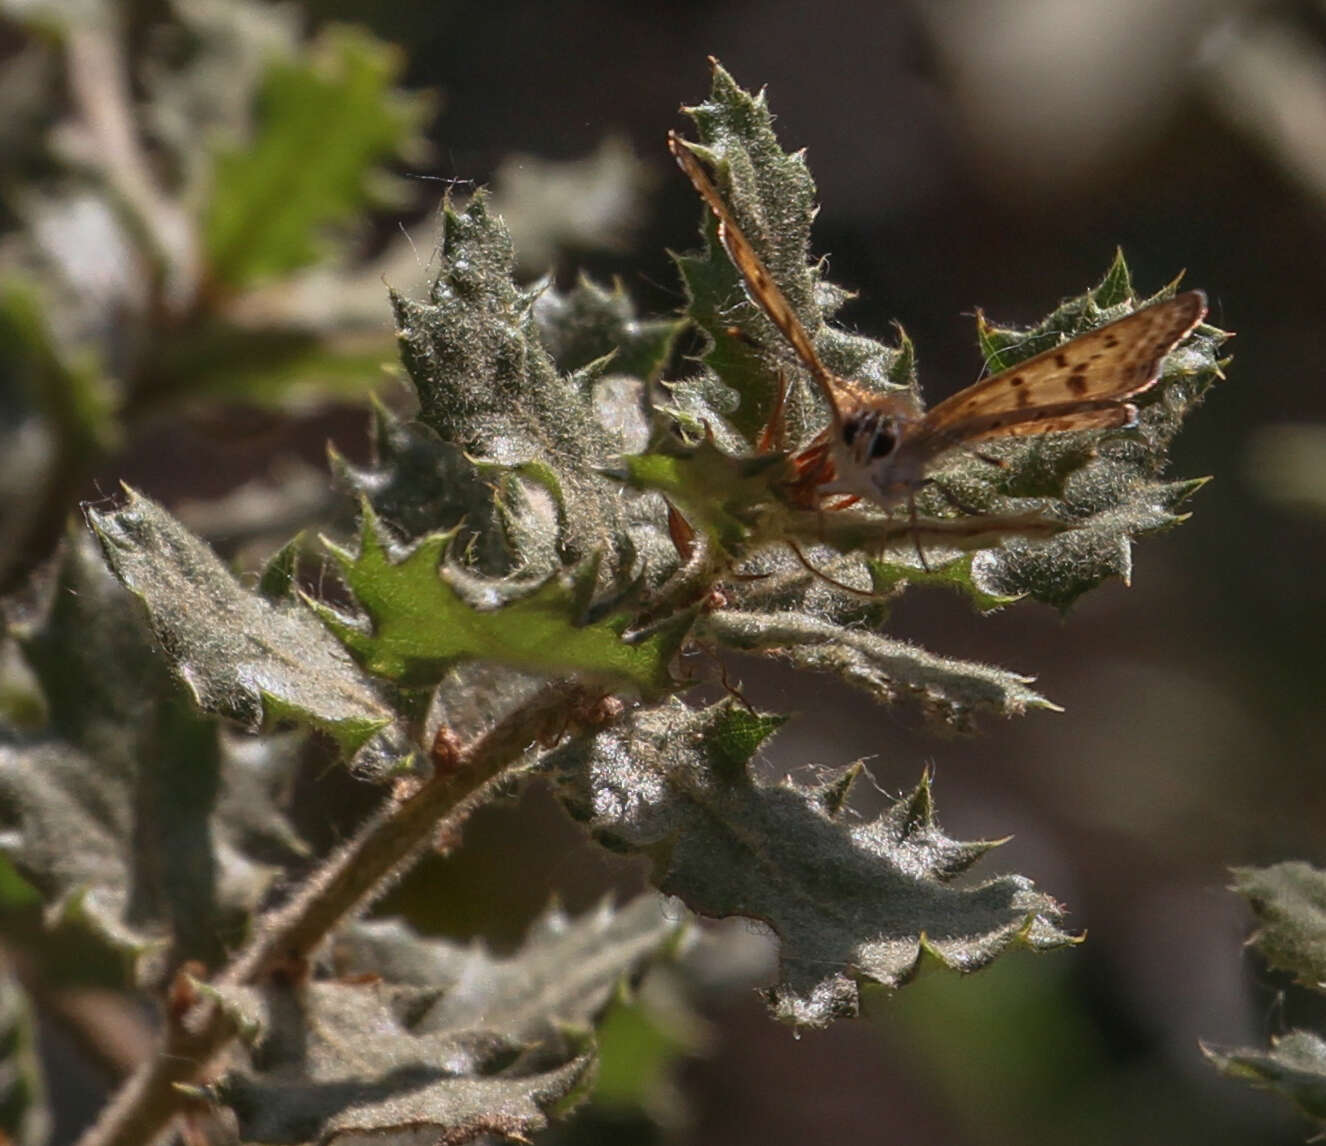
(878,447)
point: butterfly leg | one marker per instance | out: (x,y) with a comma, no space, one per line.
(774,435)
(916,532)
(824,576)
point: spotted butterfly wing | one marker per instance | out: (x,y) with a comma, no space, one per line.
(1080,385)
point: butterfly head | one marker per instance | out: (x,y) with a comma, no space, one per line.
(869,435)
(875,441)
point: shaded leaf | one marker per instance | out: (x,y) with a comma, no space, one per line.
(589,322)
(1295,1066)
(240,655)
(178,833)
(849,901)
(450,1038)
(326,120)
(422,616)
(1289,900)
(419,485)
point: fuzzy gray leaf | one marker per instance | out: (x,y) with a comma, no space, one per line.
(178,831)
(952,690)
(240,655)
(849,901)
(450,1039)
(486,383)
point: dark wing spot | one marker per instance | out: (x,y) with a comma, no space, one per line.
(1111,341)
(1060,360)
(1018,380)
(1077,382)
(1024,399)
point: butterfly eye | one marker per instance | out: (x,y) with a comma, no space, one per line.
(883,441)
(875,431)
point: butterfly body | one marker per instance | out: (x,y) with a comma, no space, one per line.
(877,447)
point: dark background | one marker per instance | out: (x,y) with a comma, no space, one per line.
(994,154)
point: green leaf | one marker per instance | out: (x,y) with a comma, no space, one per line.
(445,1038)
(25,1118)
(326,120)
(422,485)
(41,368)
(278,575)
(850,901)
(239,655)
(729,499)
(271,365)
(422,618)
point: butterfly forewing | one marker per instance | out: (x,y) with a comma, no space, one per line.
(760,285)
(1079,385)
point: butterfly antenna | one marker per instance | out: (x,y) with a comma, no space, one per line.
(760,285)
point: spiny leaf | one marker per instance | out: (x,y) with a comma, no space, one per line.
(419,622)
(487,385)
(849,901)
(1289,900)
(326,120)
(727,498)
(239,655)
(422,485)
(445,1038)
(1100,489)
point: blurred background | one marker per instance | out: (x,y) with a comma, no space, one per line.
(967,155)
